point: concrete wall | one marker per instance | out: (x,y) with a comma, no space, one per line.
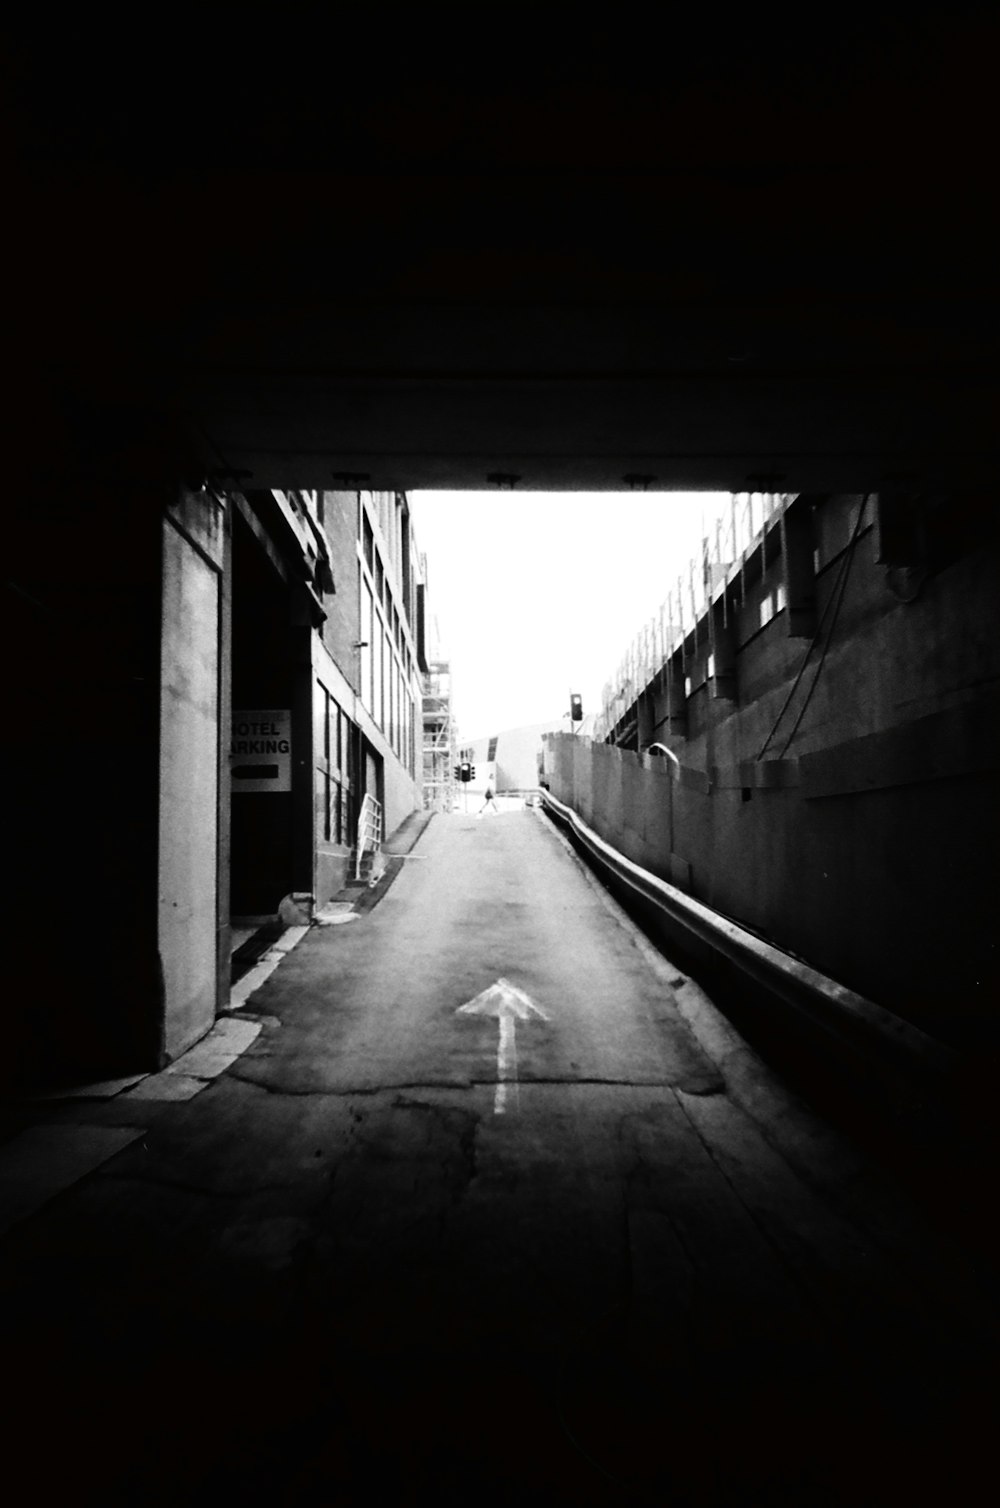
(402,793)
(193,562)
(80,623)
(868,844)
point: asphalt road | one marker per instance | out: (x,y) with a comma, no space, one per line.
(351,1271)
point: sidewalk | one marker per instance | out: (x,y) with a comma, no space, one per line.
(50,1141)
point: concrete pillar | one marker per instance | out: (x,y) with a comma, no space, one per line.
(722,653)
(797,546)
(303,805)
(645,719)
(676,718)
(190,737)
(899,537)
(223,945)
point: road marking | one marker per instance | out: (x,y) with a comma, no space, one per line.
(509,1004)
(506,1063)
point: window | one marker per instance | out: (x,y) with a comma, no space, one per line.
(378,649)
(333,776)
(390,697)
(381,500)
(367,655)
(320,723)
(404,564)
(399,712)
(369,540)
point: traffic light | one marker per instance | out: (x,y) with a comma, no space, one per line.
(576,707)
(465,770)
(458,772)
(472,772)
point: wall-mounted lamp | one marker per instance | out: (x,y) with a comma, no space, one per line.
(662,749)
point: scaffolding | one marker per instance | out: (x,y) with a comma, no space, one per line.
(440,739)
(722,559)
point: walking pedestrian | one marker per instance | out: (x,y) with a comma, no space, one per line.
(488,802)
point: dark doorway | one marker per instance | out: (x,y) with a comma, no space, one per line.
(260,754)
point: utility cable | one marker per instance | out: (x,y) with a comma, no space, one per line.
(834,597)
(799,673)
(842,584)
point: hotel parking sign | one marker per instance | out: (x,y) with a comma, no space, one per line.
(260,752)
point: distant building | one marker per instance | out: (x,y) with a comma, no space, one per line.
(512,760)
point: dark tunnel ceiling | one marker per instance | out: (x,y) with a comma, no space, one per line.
(765,252)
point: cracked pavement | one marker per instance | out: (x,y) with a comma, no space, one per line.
(337,1275)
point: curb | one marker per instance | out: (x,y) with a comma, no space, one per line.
(264,967)
(46,1159)
(763,1094)
(394,851)
(876,1047)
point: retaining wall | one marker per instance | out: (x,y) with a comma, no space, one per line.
(867,843)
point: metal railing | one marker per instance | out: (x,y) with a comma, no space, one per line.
(723,552)
(369,830)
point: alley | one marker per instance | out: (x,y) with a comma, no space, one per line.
(574,1244)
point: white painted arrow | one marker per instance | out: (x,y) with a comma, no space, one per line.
(509,1004)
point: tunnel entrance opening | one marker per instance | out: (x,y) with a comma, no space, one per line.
(536,593)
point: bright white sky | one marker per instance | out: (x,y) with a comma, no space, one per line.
(540,594)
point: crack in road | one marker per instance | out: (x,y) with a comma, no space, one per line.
(183,1187)
(353,1091)
(556,1082)
(814,1296)
(637,1176)
(453,1120)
